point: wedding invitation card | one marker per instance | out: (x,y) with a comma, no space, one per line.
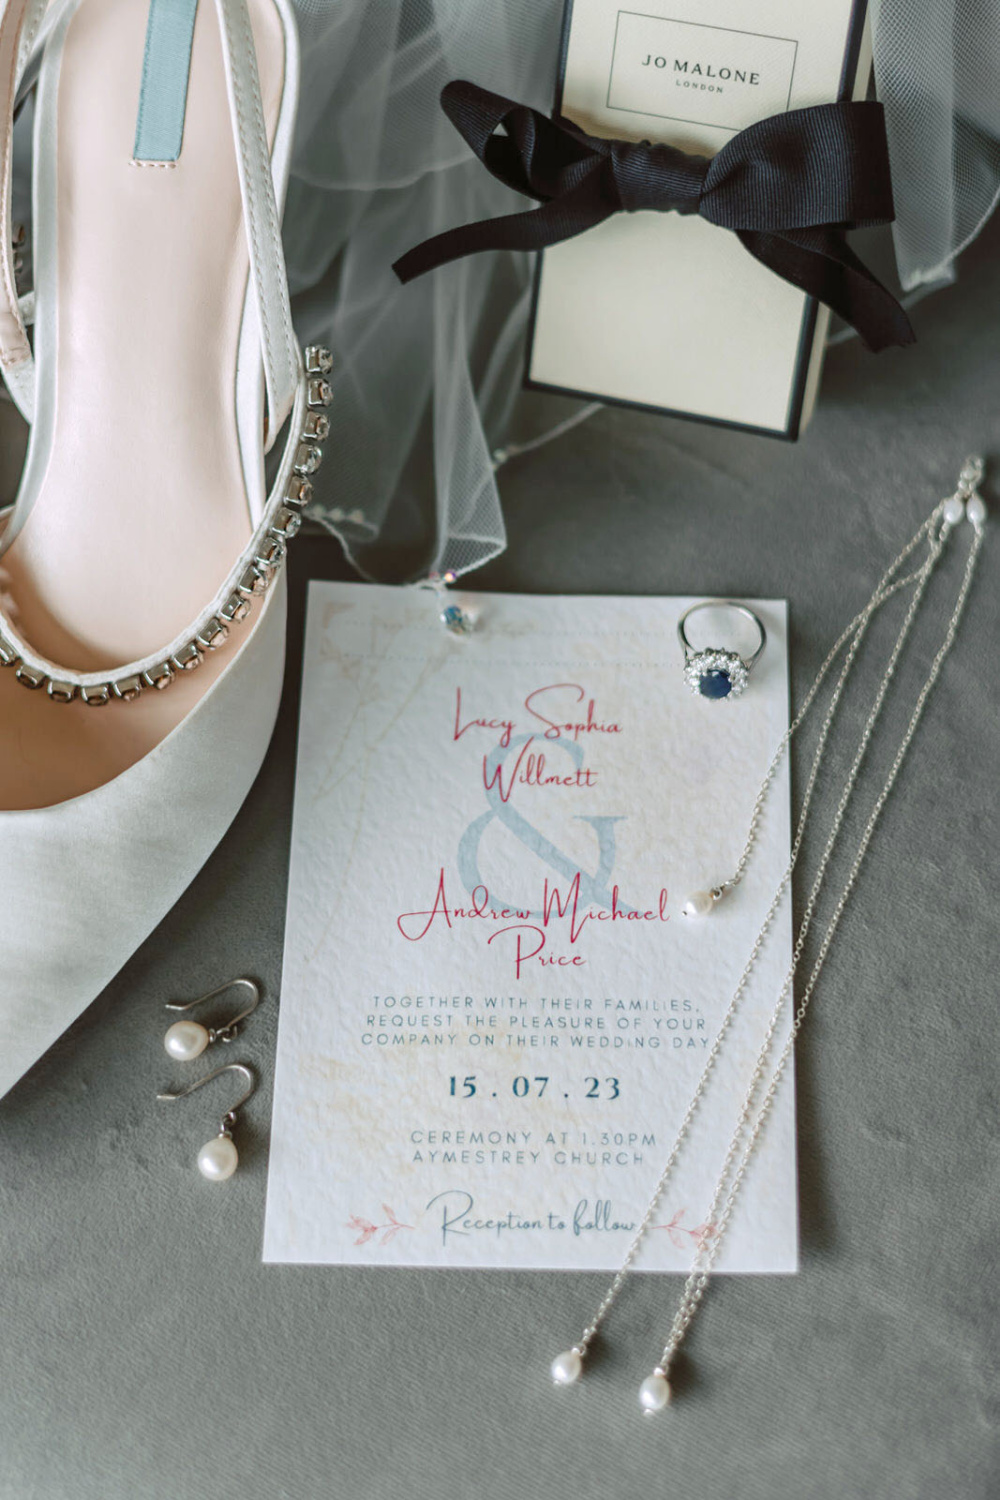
(493,1012)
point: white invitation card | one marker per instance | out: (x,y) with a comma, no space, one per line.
(493,1012)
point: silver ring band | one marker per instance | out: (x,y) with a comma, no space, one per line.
(719,672)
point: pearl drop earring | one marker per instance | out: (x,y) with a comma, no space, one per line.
(218,1158)
(186,1040)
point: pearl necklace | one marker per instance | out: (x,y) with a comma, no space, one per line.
(655,1391)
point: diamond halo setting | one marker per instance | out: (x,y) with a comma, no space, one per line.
(716,675)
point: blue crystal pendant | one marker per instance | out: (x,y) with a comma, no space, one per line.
(716,674)
(456,620)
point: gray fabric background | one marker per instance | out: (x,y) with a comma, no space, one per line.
(145,1352)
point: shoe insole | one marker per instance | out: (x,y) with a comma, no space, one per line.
(142,509)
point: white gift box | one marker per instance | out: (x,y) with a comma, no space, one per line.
(670,312)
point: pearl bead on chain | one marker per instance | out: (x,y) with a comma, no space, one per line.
(567,1367)
(698,904)
(702,903)
(655,1392)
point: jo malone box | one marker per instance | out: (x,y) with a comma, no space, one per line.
(670,312)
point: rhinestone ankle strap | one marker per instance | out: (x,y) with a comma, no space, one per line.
(255,571)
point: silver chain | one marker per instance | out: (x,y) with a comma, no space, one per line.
(697,1281)
(934,532)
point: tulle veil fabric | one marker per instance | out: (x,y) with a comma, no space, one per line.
(427,377)
(937,73)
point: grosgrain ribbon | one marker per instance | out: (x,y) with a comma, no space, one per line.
(788,186)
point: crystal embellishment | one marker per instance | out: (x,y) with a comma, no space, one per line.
(286,524)
(235,609)
(299,492)
(319,361)
(187,658)
(455,619)
(213,636)
(159,677)
(319,392)
(308,458)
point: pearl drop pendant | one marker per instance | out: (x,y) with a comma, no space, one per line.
(698,904)
(654,1393)
(567,1367)
(186,1040)
(218,1159)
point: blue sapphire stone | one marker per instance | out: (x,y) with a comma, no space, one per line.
(714,684)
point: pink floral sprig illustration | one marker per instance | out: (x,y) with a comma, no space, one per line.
(366,1230)
(677,1231)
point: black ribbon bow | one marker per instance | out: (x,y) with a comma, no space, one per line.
(788,186)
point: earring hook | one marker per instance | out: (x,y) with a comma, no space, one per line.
(247,1072)
(218,1158)
(228,1032)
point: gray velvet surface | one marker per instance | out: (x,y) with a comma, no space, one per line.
(145,1353)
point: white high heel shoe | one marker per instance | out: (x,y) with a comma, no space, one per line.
(142,544)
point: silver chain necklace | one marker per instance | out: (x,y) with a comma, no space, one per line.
(655,1390)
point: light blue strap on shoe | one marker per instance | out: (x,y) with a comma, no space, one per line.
(24,21)
(166,63)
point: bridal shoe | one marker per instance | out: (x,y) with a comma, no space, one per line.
(141,565)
